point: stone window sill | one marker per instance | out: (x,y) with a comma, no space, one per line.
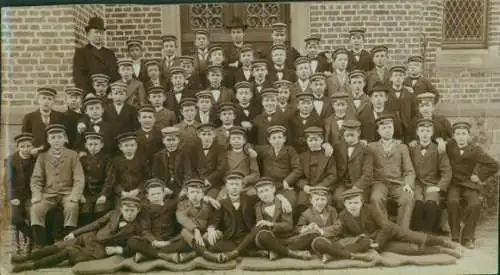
(468,58)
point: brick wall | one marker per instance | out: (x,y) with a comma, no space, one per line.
(81,14)
(134,21)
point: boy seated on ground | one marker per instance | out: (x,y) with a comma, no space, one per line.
(274,226)
(105,237)
(359,227)
(314,229)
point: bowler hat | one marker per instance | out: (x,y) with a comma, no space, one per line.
(95,23)
(236,22)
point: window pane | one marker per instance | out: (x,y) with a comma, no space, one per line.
(465,21)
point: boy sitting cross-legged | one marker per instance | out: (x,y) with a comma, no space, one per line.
(359,227)
(105,237)
(274,226)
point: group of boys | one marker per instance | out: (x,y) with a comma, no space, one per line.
(221,155)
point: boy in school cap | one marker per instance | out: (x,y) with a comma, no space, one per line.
(245,111)
(400,100)
(74,113)
(100,85)
(95,164)
(322,105)
(153,75)
(260,81)
(380,72)
(216,57)
(135,95)
(149,138)
(359,99)
(54,185)
(321,167)
(210,162)
(163,116)
(207,113)
(416,79)
(359,58)
(135,52)
(36,121)
(279,37)
(286,101)
(193,80)
(201,61)
(123,115)
(391,155)
(93,108)
(169,59)
(334,123)
(227,115)
(179,91)
(301,120)
(269,115)
(273,224)
(217,86)
(338,81)
(433,175)
(303,71)
(245,57)
(277,68)
(187,127)
(318,60)
(19,167)
(471,168)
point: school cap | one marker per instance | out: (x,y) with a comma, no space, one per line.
(226,107)
(312,37)
(119,86)
(74,91)
(339,96)
(126,136)
(130,200)
(317,76)
(204,94)
(314,130)
(155,90)
(304,96)
(194,183)
(93,135)
(243,84)
(134,43)
(91,101)
(415,58)
(214,67)
(378,87)
(278,47)
(283,82)
(352,192)
(246,48)
(214,48)
(384,119)
(201,31)
(461,125)
(357,73)
(146,108)
(426,97)
(55,128)
(269,92)
(351,124)
(302,60)
(185,59)
(379,48)
(259,62)
(237,130)
(264,181)
(154,182)
(168,37)
(23,137)
(47,91)
(234,175)
(276,129)
(125,62)
(151,62)
(339,51)
(319,190)
(400,69)
(355,31)
(205,127)
(100,78)
(188,102)
(170,131)
(424,122)
(176,70)
(279,27)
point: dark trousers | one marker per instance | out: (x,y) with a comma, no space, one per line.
(265,239)
(426,216)
(20,217)
(241,244)
(471,212)
(90,211)
(143,246)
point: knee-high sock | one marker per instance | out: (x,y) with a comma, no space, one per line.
(325,247)
(418,217)
(431,216)
(270,242)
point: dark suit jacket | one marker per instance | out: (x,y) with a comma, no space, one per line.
(323,64)
(404,106)
(165,118)
(311,215)
(365,62)
(369,127)
(17,175)
(232,53)
(182,164)
(143,74)
(88,60)
(284,167)
(297,130)
(334,85)
(257,98)
(327,109)
(291,55)
(241,162)
(224,218)
(394,166)
(226,96)
(165,68)
(473,161)
(95,169)
(200,68)
(191,217)
(372,77)
(356,170)
(172,104)
(421,85)
(126,175)
(213,117)
(238,75)
(136,95)
(261,123)
(325,174)
(333,133)
(288,74)
(104,128)
(364,102)
(72,119)
(126,121)
(442,128)
(149,146)
(433,168)
(194,83)
(369,222)
(212,166)
(158,221)
(33,123)
(295,89)
(283,222)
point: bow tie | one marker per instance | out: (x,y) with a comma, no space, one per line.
(351,145)
(424,147)
(235,200)
(215,88)
(178,92)
(318,99)
(414,78)
(340,119)
(266,204)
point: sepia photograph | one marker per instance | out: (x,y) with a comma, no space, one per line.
(302,138)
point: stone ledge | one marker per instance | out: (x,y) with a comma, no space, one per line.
(484,59)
